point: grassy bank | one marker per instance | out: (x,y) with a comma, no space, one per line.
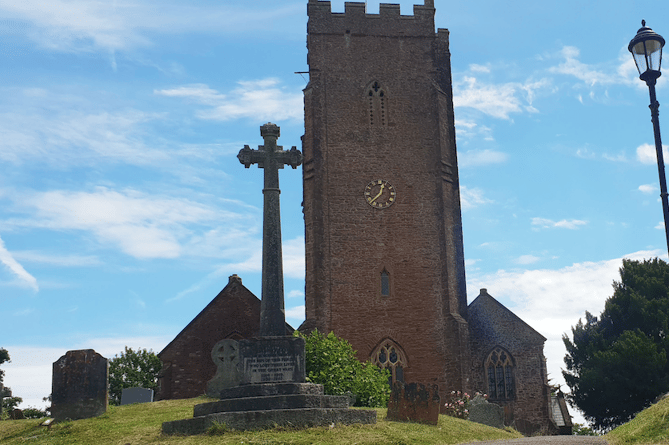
(140,424)
(650,426)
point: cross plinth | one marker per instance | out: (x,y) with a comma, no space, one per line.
(271,158)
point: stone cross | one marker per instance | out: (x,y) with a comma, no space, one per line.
(271,158)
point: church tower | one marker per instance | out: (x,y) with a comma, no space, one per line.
(384,250)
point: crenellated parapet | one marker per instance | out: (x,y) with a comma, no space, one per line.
(355,20)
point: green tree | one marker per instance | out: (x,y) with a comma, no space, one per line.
(4,357)
(9,403)
(617,364)
(132,369)
(331,362)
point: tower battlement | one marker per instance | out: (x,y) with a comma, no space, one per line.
(355,20)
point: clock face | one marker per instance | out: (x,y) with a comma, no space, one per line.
(380,194)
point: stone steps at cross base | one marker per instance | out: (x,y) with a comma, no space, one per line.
(257,420)
(260,406)
(264,403)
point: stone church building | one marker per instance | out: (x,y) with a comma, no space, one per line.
(383,228)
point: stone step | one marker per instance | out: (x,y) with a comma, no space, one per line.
(255,420)
(271,389)
(291,401)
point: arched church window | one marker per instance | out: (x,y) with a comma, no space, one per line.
(500,375)
(389,355)
(377,99)
(385,283)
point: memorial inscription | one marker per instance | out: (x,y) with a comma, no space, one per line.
(273,359)
(270,369)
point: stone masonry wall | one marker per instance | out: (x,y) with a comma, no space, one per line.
(187,362)
(353,137)
(492,325)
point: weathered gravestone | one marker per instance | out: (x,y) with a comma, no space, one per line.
(269,370)
(225,355)
(136,395)
(482,411)
(4,392)
(414,402)
(79,386)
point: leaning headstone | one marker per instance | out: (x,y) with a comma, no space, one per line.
(79,386)
(225,355)
(481,411)
(414,402)
(477,400)
(136,395)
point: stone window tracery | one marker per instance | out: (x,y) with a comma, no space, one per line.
(499,373)
(377,105)
(390,355)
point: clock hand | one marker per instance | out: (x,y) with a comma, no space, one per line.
(378,194)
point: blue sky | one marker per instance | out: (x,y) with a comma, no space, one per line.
(123,208)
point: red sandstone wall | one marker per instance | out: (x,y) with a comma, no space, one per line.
(187,363)
(418,239)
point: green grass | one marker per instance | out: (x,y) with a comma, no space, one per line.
(140,424)
(650,426)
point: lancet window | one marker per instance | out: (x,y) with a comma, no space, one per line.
(385,283)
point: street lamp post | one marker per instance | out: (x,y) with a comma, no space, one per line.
(646,47)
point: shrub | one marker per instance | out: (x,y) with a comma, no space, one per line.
(331,362)
(132,369)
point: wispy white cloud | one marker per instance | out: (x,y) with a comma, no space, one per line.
(295,315)
(477,158)
(295,294)
(545,223)
(497,100)
(467,128)
(293,258)
(40,131)
(107,27)
(250,254)
(472,197)
(527,259)
(573,67)
(648,188)
(32,256)
(8,260)
(476,68)
(620,157)
(140,225)
(263,99)
(646,153)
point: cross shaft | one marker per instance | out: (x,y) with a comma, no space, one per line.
(271,158)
